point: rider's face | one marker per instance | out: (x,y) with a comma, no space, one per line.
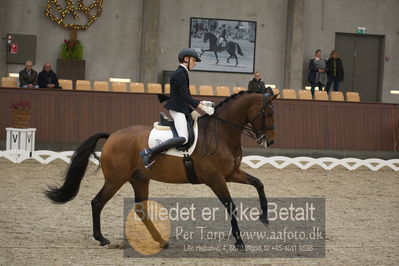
(193,63)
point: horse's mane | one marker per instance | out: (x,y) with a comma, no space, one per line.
(230,98)
(233,96)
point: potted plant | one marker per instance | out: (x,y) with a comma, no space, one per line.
(21,114)
(72,49)
(70,64)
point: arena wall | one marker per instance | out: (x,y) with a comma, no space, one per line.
(113,44)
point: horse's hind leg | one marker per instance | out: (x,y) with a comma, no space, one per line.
(216,55)
(141,188)
(97,204)
(223,194)
(244,178)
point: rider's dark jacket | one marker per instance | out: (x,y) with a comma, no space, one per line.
(180,97)
(223,34)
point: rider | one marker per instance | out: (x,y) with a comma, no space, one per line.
(222,37)
(180,105)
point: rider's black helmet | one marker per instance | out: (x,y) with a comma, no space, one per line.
(188,52)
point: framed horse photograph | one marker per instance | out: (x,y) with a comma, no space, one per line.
(224,45)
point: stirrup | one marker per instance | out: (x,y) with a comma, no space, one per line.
(144,155)
(149,165)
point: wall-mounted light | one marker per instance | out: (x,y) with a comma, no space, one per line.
(308,88)
(119,80)
(394,91)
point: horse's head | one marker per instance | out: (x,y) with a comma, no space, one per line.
(260,117)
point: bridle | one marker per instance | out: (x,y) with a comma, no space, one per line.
(250,131)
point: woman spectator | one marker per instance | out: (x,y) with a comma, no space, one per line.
(317,72)
(335,71)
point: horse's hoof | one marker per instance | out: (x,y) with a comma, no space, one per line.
(164,244)
(263,218)
(104,242)
(240,245)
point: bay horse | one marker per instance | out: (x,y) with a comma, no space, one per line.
(217,158)
(213,47)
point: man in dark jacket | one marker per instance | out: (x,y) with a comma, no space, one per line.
(335,71)
(28,76)
(47,78)
(257,84)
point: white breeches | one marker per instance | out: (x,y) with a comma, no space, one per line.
(180,124)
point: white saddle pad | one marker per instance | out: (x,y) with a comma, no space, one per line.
(160,134)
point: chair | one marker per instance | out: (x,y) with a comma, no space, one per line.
(101,86)
(83,85)
(154,88)
(166,88)
(66,84)
(238,89)
(276,91)
(136,87)
(206,90)
(304,95)
(352,97)
(321,96)
(193,90)
(289,94)
(222,91)
(9,82)
(337,96)
(119,86)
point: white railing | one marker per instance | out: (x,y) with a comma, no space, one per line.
(253,161)
(327,163)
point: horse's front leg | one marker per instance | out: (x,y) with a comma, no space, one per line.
(223,194)
(203,51)
(244,178)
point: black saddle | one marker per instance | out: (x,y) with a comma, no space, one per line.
(165,120)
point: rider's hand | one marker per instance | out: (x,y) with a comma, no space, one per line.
(207,109)
(208,103)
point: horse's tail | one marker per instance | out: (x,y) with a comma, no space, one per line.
(239,50)
(76,171)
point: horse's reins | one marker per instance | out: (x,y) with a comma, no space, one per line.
(249,130)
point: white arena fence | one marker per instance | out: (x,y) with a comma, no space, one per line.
(253,161)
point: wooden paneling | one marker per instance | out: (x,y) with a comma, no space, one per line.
(72,116)
(395,125)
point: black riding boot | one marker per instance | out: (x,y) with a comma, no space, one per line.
(147,155)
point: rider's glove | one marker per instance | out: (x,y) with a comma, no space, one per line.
(208,103)
(207,109)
